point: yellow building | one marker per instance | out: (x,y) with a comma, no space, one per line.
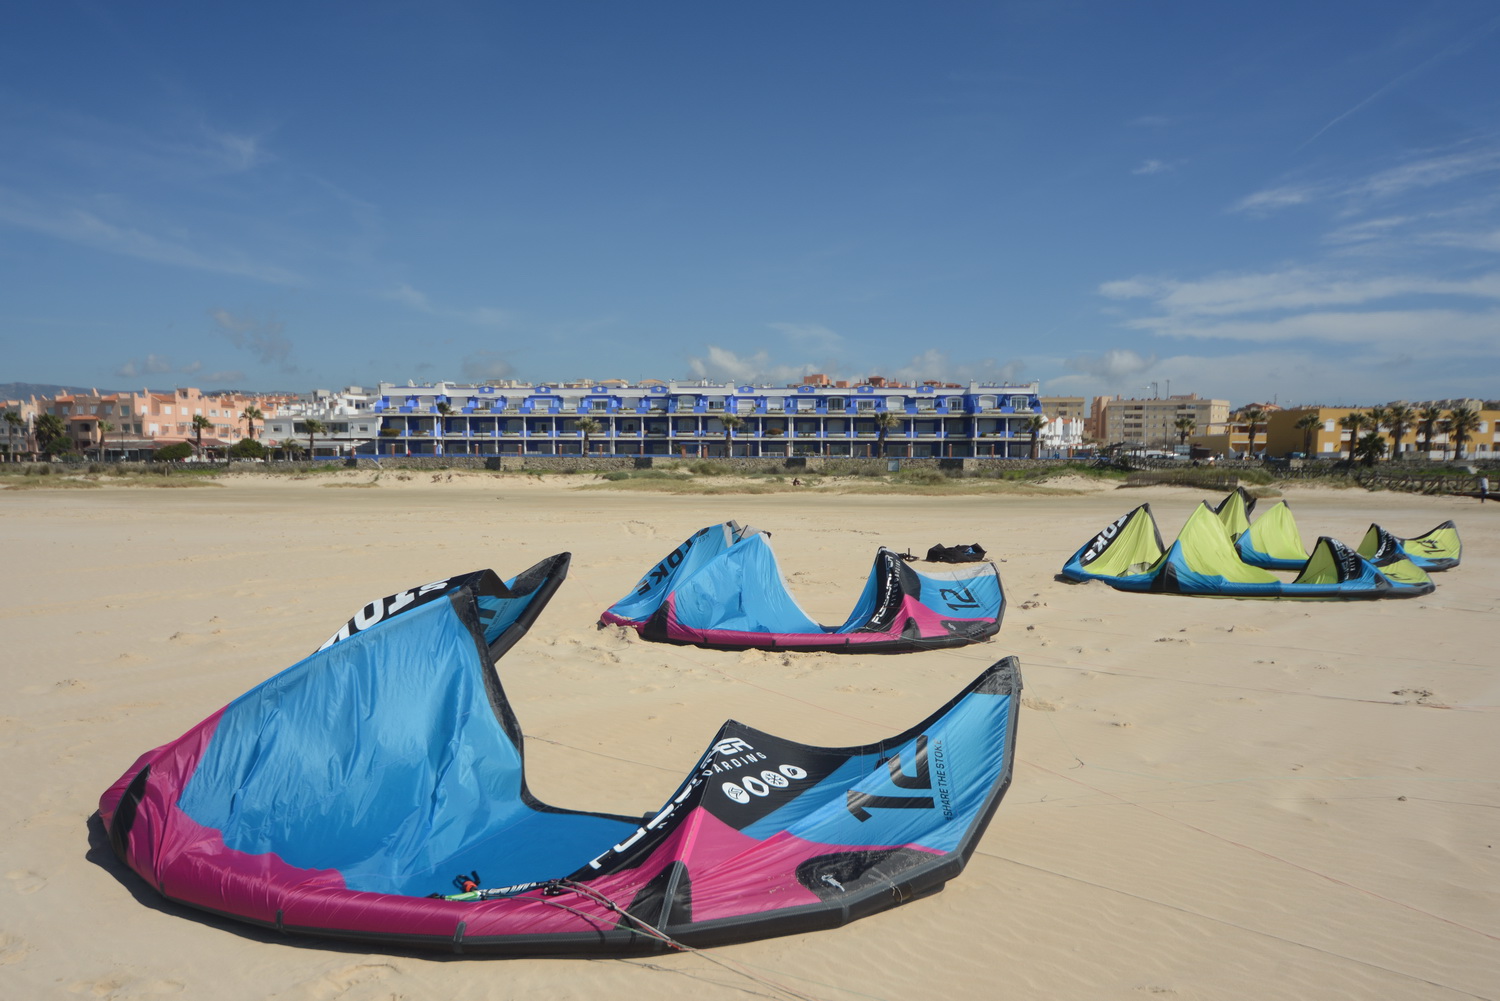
(1329,440)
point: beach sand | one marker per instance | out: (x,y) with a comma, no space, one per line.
(1212,798)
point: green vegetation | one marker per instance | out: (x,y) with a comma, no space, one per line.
(247,448)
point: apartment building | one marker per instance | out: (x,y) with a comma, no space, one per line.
(1329,440)
(699,420)
(1152,423)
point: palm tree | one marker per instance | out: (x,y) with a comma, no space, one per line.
(885,423)
(588,426)
(313,427)
(16,422)
(1185,427)
(1377,417)
(1398,420)
(1429,417)
(250,415)
(200,424)
(1308,424)
(1035,425)
(105,427)
(1463,421)
(48,429)
(1352,422)
(1371,447)
(732,423)
(1255,417)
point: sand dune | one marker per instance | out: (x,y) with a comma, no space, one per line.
(1212,799)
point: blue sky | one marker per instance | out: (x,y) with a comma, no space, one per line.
(1285,201)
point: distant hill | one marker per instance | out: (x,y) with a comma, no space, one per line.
(26,390)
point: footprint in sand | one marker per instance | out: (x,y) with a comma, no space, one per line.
(12,949)
(124,987)
(343,983)
(640,528)
(1039,705)
(26,881)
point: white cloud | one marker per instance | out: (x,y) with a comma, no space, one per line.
(479,316)
(1265,202)
(1113,366)
(1290,289)
(1434,332)
(485,366)
(152,364)
(723,365)
(934,365)
(89,227)
(812,335)
(1364,232)
(264,339)
(1426,173)
(1486,241)
(1153,167)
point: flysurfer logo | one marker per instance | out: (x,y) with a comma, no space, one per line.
(379,611)
(659,573)
(1102,541)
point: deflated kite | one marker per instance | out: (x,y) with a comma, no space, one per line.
(722,588)
(340,797)
(1128,555)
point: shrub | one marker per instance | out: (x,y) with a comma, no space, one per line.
(247,448)
(174,453)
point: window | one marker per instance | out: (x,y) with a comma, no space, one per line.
(895,403)
(775,404)
(1024,403)
(864,406)
(955,403)
(598,406)
(836,404)
(926,404)
(806,403)
(716,403)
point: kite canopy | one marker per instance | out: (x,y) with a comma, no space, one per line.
(1128,555)
(340,797)
(1234,512)
(1273,541)
(1439,549)
(722,588)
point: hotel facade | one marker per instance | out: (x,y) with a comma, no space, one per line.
(702,420)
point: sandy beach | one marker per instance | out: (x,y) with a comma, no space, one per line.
(1212,798)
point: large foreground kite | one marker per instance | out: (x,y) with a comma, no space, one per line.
(376,791)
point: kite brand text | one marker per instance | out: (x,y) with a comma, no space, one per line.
(940,773)
(379,611)
(658,573)
(1100,544)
